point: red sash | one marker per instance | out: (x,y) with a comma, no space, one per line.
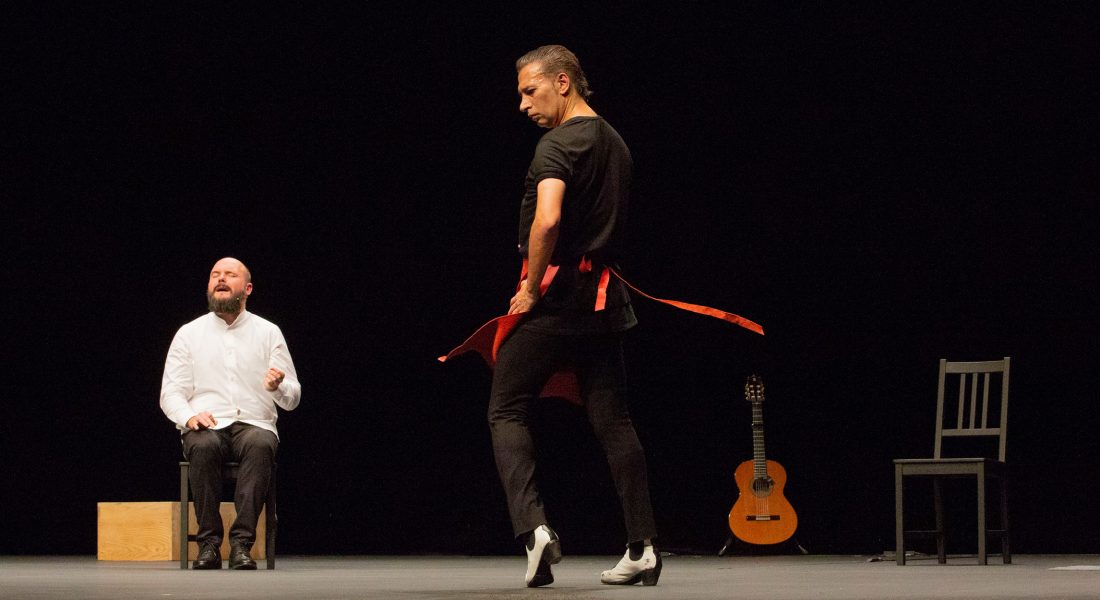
(486,341)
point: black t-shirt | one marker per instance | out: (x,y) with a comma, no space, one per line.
(594,162)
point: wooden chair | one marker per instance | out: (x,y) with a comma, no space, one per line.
(228,473)
(970,417)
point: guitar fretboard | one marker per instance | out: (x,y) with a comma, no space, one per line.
(759,462)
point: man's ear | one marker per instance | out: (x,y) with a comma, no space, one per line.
(248,289)
(563,83)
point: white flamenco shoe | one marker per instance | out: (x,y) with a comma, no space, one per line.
(646,569)
(546,551)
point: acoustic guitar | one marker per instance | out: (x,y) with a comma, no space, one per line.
(761,514)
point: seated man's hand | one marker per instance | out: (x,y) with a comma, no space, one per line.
(203,420)
(273,378)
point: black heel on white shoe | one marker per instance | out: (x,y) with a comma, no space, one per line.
(543,550)
(647,569)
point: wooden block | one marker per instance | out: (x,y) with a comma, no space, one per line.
(150,531)
(136,530)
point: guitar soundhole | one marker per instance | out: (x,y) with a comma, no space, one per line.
(762,486)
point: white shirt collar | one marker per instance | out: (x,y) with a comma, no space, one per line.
(241,318)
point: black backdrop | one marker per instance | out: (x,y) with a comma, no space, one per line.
(879,187)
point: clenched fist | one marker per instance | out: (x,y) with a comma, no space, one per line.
(273,378)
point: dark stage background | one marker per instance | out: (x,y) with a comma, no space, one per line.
(880,187)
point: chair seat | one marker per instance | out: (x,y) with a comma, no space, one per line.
(946,467)
(934,461)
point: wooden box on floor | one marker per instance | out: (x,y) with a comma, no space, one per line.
(150,531)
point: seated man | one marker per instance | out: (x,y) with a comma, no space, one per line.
(226,372)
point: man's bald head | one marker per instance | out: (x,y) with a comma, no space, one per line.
(230,262)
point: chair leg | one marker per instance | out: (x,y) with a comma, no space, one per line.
(1006,546)
(184,500)
(899,520)
(941,523)
(272,521)
(982,529)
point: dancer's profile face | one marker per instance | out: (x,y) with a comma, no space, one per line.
(539,96)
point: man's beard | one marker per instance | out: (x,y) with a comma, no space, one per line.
(231,305)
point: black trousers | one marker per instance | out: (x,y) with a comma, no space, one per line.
(208,450)
(524,363)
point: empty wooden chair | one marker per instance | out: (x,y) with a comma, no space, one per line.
(976,412)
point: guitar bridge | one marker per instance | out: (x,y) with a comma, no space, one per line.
(761,517)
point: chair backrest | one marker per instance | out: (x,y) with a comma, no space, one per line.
(970,412)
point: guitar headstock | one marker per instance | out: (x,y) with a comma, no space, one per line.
(754,388)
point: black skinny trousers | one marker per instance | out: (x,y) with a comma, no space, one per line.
(524,363)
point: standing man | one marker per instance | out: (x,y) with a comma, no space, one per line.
(226,372)
(571,225)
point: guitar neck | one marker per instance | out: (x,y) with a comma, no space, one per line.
(759,461)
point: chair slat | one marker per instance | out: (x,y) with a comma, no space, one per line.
(985,401)
(971,431)
(973,400)
(962,401)
(975,367)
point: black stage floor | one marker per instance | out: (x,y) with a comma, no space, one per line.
(447,577)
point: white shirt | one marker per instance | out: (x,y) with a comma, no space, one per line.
(220,368)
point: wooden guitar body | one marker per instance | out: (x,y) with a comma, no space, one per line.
(762,515)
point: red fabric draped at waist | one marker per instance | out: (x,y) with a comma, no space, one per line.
(488,338)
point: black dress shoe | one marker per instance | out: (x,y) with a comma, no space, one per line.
(239,558)
(208,557)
